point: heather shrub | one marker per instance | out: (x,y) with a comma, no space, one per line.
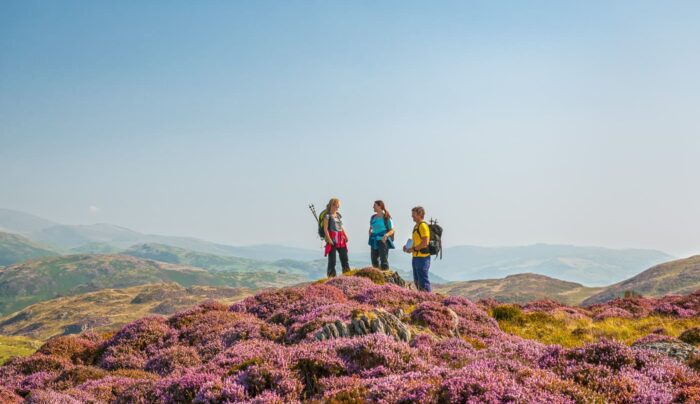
(9,397)
(258,378)
(175,358)
(129,347)
(38,363)
(351,286)
(391,297)
(77,375)
(691,336)
(183,388)
(506,312)
(375,350)
(373,274)
(265,304)
(79,350)
(436,317)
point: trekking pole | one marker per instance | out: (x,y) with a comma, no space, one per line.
(313,212)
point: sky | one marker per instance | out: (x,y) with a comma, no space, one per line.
(512,122)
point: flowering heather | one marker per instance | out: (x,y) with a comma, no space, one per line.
(266,349)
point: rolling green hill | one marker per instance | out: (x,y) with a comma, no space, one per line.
(520,288)
(176,255)
(15,248)
(46,278)
(679,277)
(16,346)
(108,309)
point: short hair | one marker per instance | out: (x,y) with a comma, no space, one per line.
(419,211)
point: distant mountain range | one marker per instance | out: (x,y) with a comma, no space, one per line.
(520,288)
(590,266)
(677,277)
(86,238)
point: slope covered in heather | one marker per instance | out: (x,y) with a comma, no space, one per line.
(679,277)
(520,288)
(46,278)
(15,248)
(349,339)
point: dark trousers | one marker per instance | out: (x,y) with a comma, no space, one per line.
(343,252)
(380,256)
(421,265)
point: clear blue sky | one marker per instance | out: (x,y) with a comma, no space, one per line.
(514,122)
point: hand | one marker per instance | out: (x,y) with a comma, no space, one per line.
(384,239)
(328,240)
(406,250)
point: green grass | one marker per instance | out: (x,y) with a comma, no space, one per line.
(16,346)
(562,329)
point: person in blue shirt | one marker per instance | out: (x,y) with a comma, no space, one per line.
(381,232)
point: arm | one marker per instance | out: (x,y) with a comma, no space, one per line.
(390,232)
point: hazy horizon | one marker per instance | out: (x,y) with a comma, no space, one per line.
(563,123)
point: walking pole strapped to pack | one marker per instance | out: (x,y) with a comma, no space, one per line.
(313,212)
(319,223)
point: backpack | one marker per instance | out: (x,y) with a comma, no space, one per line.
(435,242)
(321,218)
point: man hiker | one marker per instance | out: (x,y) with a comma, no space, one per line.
(420,250)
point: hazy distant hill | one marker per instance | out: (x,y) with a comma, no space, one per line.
(14,221)
(591,266)
(677,277)
(176,255)
(83,237)
(15,248)
(110,308)
(95,248)
(521,288)
(47,278)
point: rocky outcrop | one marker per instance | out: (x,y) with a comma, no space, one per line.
(674,349)
(375,321)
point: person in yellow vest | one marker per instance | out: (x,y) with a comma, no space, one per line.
(419,249)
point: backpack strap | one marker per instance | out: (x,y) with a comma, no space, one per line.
(416,229)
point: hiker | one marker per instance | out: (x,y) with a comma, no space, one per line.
(336,238)
(420,250)
(381,232)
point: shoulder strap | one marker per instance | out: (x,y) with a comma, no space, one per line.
(417,228)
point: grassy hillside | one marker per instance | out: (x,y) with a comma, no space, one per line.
(679,277)
(521,288)
(16,346)
(46,278)
(176,255)
(109,309)
(15,248)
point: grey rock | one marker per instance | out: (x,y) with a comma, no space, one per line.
(677,350)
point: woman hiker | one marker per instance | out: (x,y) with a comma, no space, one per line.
(381,230)
(336,238)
